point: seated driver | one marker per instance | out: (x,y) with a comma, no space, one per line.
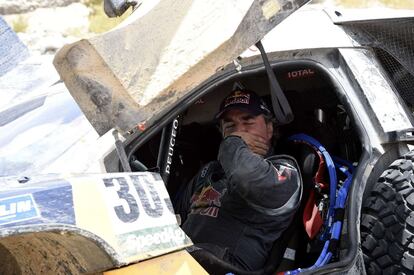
(238,206)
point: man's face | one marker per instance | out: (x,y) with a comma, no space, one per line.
(240,121)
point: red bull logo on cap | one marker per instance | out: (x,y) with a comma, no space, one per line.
(237,98)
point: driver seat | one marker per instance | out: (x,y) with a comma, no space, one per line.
(214,265)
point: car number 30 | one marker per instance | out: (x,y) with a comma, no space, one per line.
(126,190)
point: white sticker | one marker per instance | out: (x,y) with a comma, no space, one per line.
(137,201)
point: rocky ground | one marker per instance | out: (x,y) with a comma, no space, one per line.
(46,25)
(21,6)
(44,30)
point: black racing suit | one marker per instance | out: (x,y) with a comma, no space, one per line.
(241,203)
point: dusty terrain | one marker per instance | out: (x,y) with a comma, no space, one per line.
(44,30)
(46,25)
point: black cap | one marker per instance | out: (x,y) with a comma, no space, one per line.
(245,100)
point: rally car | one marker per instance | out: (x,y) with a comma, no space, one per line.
(78,200)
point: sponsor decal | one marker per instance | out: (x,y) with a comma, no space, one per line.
(17,209)
(237,98)
(300,73)
(204,171)
(283,173)
(150,239)
(171,146)
(207,202)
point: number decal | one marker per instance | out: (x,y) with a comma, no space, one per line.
(155,211)
(169,205)
(123,193)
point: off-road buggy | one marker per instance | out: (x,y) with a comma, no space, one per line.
(158,80)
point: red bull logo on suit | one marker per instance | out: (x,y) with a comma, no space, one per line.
(209,197)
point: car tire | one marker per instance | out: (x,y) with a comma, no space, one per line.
(387,223)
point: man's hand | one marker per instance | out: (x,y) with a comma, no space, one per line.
(255,143)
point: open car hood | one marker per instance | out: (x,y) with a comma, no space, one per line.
(134,73)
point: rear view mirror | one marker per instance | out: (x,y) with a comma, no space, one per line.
(114,8)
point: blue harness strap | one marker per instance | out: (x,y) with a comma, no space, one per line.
(333,222)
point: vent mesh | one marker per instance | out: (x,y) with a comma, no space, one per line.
(393,43)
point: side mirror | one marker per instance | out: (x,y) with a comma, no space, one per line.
(114,8)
